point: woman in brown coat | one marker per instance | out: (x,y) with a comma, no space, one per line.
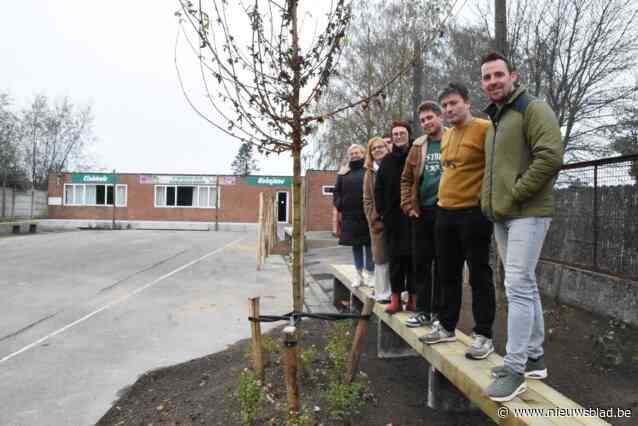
(377,149)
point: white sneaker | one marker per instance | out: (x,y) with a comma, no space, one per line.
(368,278)
(481,347)
(357,279)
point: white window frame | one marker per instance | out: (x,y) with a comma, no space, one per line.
(195,197)
(84,185)
(121,185)
(323,189)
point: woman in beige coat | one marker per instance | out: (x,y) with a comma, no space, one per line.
(377,149)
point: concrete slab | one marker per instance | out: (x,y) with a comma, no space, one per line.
(85,313)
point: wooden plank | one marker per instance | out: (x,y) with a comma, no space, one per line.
(472,377)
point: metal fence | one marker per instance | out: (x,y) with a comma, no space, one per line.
(596,222)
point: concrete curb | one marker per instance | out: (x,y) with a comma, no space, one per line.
(61,224)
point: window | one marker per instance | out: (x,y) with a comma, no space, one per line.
(204,197)
(94,195)
(327,189)
(185,196)
(121,193)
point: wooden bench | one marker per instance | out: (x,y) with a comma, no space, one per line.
(470,377)
(32,226)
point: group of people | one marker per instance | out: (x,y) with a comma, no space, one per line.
(415,212)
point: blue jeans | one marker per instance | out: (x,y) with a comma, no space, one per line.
(357,252)
(519,243)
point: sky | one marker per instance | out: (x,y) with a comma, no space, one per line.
(118,57)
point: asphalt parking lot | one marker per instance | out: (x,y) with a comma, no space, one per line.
(85,313)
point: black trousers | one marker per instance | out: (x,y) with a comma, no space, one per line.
(428,289)
(465,235)
(401,273)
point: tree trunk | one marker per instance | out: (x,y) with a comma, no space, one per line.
(4,192)
(500,26)
(297,282)
(297,232)
(417,85)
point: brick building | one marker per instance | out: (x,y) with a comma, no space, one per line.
(188,198)
(319,185)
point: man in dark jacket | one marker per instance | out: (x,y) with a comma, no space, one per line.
(523,154)
(397,226)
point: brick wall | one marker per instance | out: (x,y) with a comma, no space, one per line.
(239,203)
(319,206)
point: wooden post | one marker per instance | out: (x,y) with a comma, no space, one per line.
(216,203)
(290,373)
(114,198)
(359,340)
(273,213)
(260,230)
(255,328)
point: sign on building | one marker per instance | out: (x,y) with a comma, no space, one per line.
(269,180)
(92,178)
(178,180)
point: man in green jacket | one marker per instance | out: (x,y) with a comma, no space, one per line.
(523,154)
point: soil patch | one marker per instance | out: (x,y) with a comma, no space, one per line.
(592,360)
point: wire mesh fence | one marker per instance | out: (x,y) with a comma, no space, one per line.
(596,222)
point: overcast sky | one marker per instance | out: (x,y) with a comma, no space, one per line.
(117,56)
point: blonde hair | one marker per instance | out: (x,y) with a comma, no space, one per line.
(369,158)
(354,146)
(345,164)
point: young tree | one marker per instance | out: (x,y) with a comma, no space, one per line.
(254,59)
(244,163)
(382,34)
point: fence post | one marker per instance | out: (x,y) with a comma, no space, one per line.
(359,340)
(260,230)
(290,368)
(595,221)
(255,328)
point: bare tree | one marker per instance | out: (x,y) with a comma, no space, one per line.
(53,136)
(254,59)
(578,55)
(382,34)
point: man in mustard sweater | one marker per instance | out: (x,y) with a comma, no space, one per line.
(524,153)
(462,233)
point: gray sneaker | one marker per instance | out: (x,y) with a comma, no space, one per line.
(419,319)
(438,334)
(533,369)
(507,386)
(481,347)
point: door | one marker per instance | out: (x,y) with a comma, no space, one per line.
(282,206)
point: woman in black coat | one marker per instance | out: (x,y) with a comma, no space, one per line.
(396,225)
(348,199)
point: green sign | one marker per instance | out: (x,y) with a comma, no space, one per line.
(92,178)
(269,180)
